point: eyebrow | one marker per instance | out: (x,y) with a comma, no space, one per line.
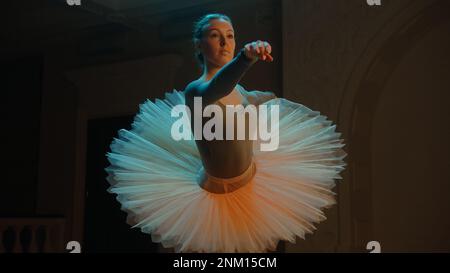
(218,29)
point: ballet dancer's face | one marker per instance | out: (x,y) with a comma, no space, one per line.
(217,44)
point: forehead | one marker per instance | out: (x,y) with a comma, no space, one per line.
(219,24)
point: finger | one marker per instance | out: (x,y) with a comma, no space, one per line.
(258,46)
(269,57)
(268,48)
(248,51)
(255,47)
(262,48)
(261,55)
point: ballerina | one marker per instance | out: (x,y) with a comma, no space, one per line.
(199,195)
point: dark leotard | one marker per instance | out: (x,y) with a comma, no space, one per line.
(223,158)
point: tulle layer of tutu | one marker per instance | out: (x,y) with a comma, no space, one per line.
(155,179)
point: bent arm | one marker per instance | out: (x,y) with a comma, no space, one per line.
(223,82)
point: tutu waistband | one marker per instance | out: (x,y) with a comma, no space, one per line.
(215,184)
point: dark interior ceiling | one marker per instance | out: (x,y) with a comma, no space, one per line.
(43,24)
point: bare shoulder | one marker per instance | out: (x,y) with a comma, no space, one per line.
(196,88)
(257,97)
(191,88)
(249,95)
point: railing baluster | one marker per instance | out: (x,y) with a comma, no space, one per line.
(18,235)
(17,248)
(2,247)
(33,241)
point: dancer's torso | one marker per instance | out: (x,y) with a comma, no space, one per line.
(227,158)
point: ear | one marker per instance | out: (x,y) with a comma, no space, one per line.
(197,46)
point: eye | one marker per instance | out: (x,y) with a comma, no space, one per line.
(231,36)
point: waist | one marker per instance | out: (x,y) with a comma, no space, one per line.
(215,184)
(235,157)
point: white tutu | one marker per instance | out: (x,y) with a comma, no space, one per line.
(155,179)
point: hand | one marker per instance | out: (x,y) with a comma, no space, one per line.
(258,50)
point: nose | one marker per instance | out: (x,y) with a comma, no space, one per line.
(222,41)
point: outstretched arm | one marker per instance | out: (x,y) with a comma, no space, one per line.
(223,81)
(230,74)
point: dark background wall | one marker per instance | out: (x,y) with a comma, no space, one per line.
(72,74)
